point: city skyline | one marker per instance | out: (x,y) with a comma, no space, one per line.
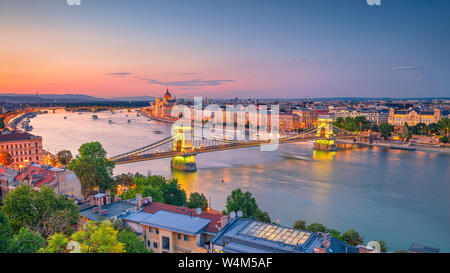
(256,49)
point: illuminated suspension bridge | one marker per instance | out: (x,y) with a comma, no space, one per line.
(182,147)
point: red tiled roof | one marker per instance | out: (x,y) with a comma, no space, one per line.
(215,218)
(45,176)
(15,136)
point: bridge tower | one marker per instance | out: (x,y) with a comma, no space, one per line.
(183,143)
(325,134)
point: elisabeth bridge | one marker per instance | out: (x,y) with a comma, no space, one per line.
(182,147)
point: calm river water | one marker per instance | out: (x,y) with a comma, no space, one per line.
(396,196)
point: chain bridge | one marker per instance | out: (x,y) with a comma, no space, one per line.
(182,147)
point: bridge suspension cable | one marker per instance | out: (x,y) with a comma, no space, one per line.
(145,148)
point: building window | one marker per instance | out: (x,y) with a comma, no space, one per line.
(155,245)
(179,236)
(148,243)
(157,231)
(165,243)
(186,238)
(150,230)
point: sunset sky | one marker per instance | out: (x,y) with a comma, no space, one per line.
(226,48)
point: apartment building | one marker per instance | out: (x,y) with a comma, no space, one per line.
(171,229)
(307,119)
(23,147)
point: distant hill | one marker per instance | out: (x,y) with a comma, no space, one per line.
(135,98)
(65,98)
(48,98)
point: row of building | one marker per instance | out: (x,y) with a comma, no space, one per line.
(171,229)
(298,118)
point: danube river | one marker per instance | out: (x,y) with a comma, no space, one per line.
(397,196)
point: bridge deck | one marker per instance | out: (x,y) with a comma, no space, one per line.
(198,150)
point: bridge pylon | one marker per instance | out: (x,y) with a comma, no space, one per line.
(183,143)
(325,134)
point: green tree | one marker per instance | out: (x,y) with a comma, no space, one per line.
(433,129)
(151,185)
(98,238)
(41,211)
(362,123)
(5,158)
(444,139)
(444,126)
(419,129)
(316,227)
(300,224)
(26,241)
(339,122)
(57,243)
(383,246)
(197,200)
(239,201)
(174,194)
(133,244)
(386,130)
(352,238)
(156,193)
(93,168)
(5,233)
(262,216)
(334,233)
(125,179)
(245,202)
(64,157)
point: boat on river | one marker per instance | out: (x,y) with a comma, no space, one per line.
(296,156)
(406,147)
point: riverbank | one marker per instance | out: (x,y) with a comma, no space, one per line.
(420,147)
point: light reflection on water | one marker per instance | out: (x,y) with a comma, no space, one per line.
(392,195)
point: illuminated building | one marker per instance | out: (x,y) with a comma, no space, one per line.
(162,107)
(307,118)
(288,122)
(23,147)
(249,236)
(413,116)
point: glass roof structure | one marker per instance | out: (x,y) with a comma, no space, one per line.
(276,233)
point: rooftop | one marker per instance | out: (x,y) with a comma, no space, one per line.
(177,222)
(112,210)
(39,175)
(214,225)
(16,136)
(248,236)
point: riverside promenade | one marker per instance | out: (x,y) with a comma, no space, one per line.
(421,147)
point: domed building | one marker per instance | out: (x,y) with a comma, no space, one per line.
(167,95)
(162,107)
